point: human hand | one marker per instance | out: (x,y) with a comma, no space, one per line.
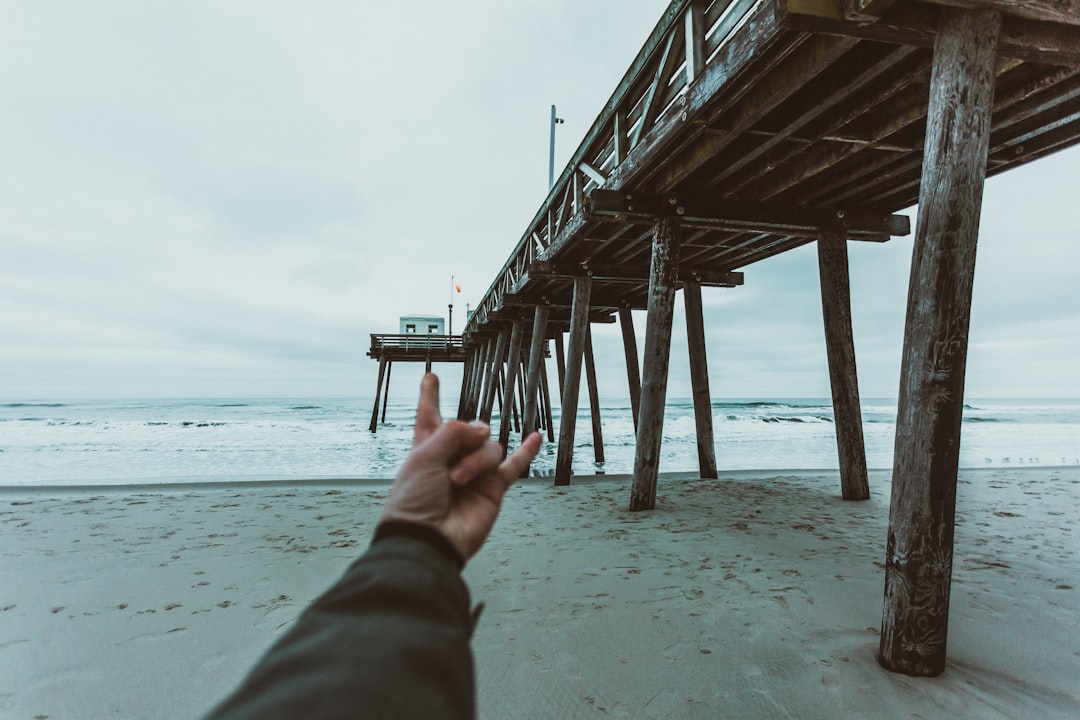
(455,476)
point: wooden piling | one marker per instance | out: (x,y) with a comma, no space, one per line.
(532,385)
(663,272)
(547,396)
(487,371)
(378,393)
(919,557)
(493,373)
(475,378)
(840,348)
(386,392)
(579,324)
(499,391)
(594,398)
(512,364)
(560,360)
(633,373)
(465,369)
(699,380)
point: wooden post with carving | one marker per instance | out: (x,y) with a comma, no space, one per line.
(594,398)
(579,325)
(664,267)
(633,371)
(918,570)
(840,349)
(699,380)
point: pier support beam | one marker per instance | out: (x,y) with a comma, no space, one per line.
(699,380)
(378,392)
(532,382)
(493,376)
(633,372)
(840,348)
(386,392)
(509,387)
(579,325)
(594,398)
(560,360)
(477,386)
(467,410)
(546,392)
(464,387)
(667,236)
(918,569)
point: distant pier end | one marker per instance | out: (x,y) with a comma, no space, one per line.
(421,340)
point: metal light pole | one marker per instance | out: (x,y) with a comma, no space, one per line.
(551,155)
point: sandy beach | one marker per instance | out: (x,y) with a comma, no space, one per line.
(754,596)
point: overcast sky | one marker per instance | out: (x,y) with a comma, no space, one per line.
(225,199)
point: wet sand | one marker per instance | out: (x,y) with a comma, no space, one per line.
(758,595)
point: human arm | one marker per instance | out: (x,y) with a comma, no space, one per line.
(391,638)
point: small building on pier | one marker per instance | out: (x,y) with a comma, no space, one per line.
(422,324)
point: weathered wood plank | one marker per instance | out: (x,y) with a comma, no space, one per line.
(699,380)
(579,324)
(532,385)
(916,24)
(513,361)
(918,570)
(633,373)
(613,273)
(694,30)
(664,269)
(1059,11)
(840,349)
(705,211)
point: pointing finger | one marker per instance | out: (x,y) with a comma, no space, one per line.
(428,418)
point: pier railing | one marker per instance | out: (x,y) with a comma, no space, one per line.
(414,342)
(684,41)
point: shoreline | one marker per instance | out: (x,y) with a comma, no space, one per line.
(174,484)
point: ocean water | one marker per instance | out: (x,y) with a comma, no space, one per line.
(151,441)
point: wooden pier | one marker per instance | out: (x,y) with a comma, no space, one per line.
(412,348)
(747,128)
